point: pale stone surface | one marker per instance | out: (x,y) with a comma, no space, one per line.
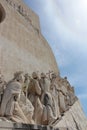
(21,46)
(2,86)
(74,118)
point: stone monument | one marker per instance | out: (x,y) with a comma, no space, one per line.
(33,95)
(22,46)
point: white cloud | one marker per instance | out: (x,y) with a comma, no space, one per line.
(60,26)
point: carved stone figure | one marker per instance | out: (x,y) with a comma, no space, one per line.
(27,108)
(62,101)
(54,88)
(10,106)
(60,91)
(46,99)
(33,100)
(24,102)
(45,85)
(34,92)
(2,86)
(48,112)
(49,74)
(70,91)
(26,83)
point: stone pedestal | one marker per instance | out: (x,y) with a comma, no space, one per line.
(15,126)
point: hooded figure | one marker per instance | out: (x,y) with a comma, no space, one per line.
(10,107)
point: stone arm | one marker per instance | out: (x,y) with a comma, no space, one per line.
(41,85)
(37,88)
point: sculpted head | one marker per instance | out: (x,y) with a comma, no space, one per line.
(18,76)
(34,75)
(26,76)
(43,75)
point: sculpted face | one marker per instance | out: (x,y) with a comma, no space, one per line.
(19,77)
(34,75)
(26,76)
(43,75)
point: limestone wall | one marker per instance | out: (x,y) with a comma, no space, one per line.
(22,46)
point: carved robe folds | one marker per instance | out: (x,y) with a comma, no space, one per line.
(34,91)
(55,94)
(9,106)
(48,112)
(62,99)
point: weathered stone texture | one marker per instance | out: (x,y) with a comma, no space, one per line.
(22,46)
(15,126)
(74,118)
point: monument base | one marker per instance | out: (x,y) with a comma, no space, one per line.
(16,126)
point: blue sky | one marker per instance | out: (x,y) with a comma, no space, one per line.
(64,25)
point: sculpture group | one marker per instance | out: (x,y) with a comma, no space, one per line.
(37,99)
